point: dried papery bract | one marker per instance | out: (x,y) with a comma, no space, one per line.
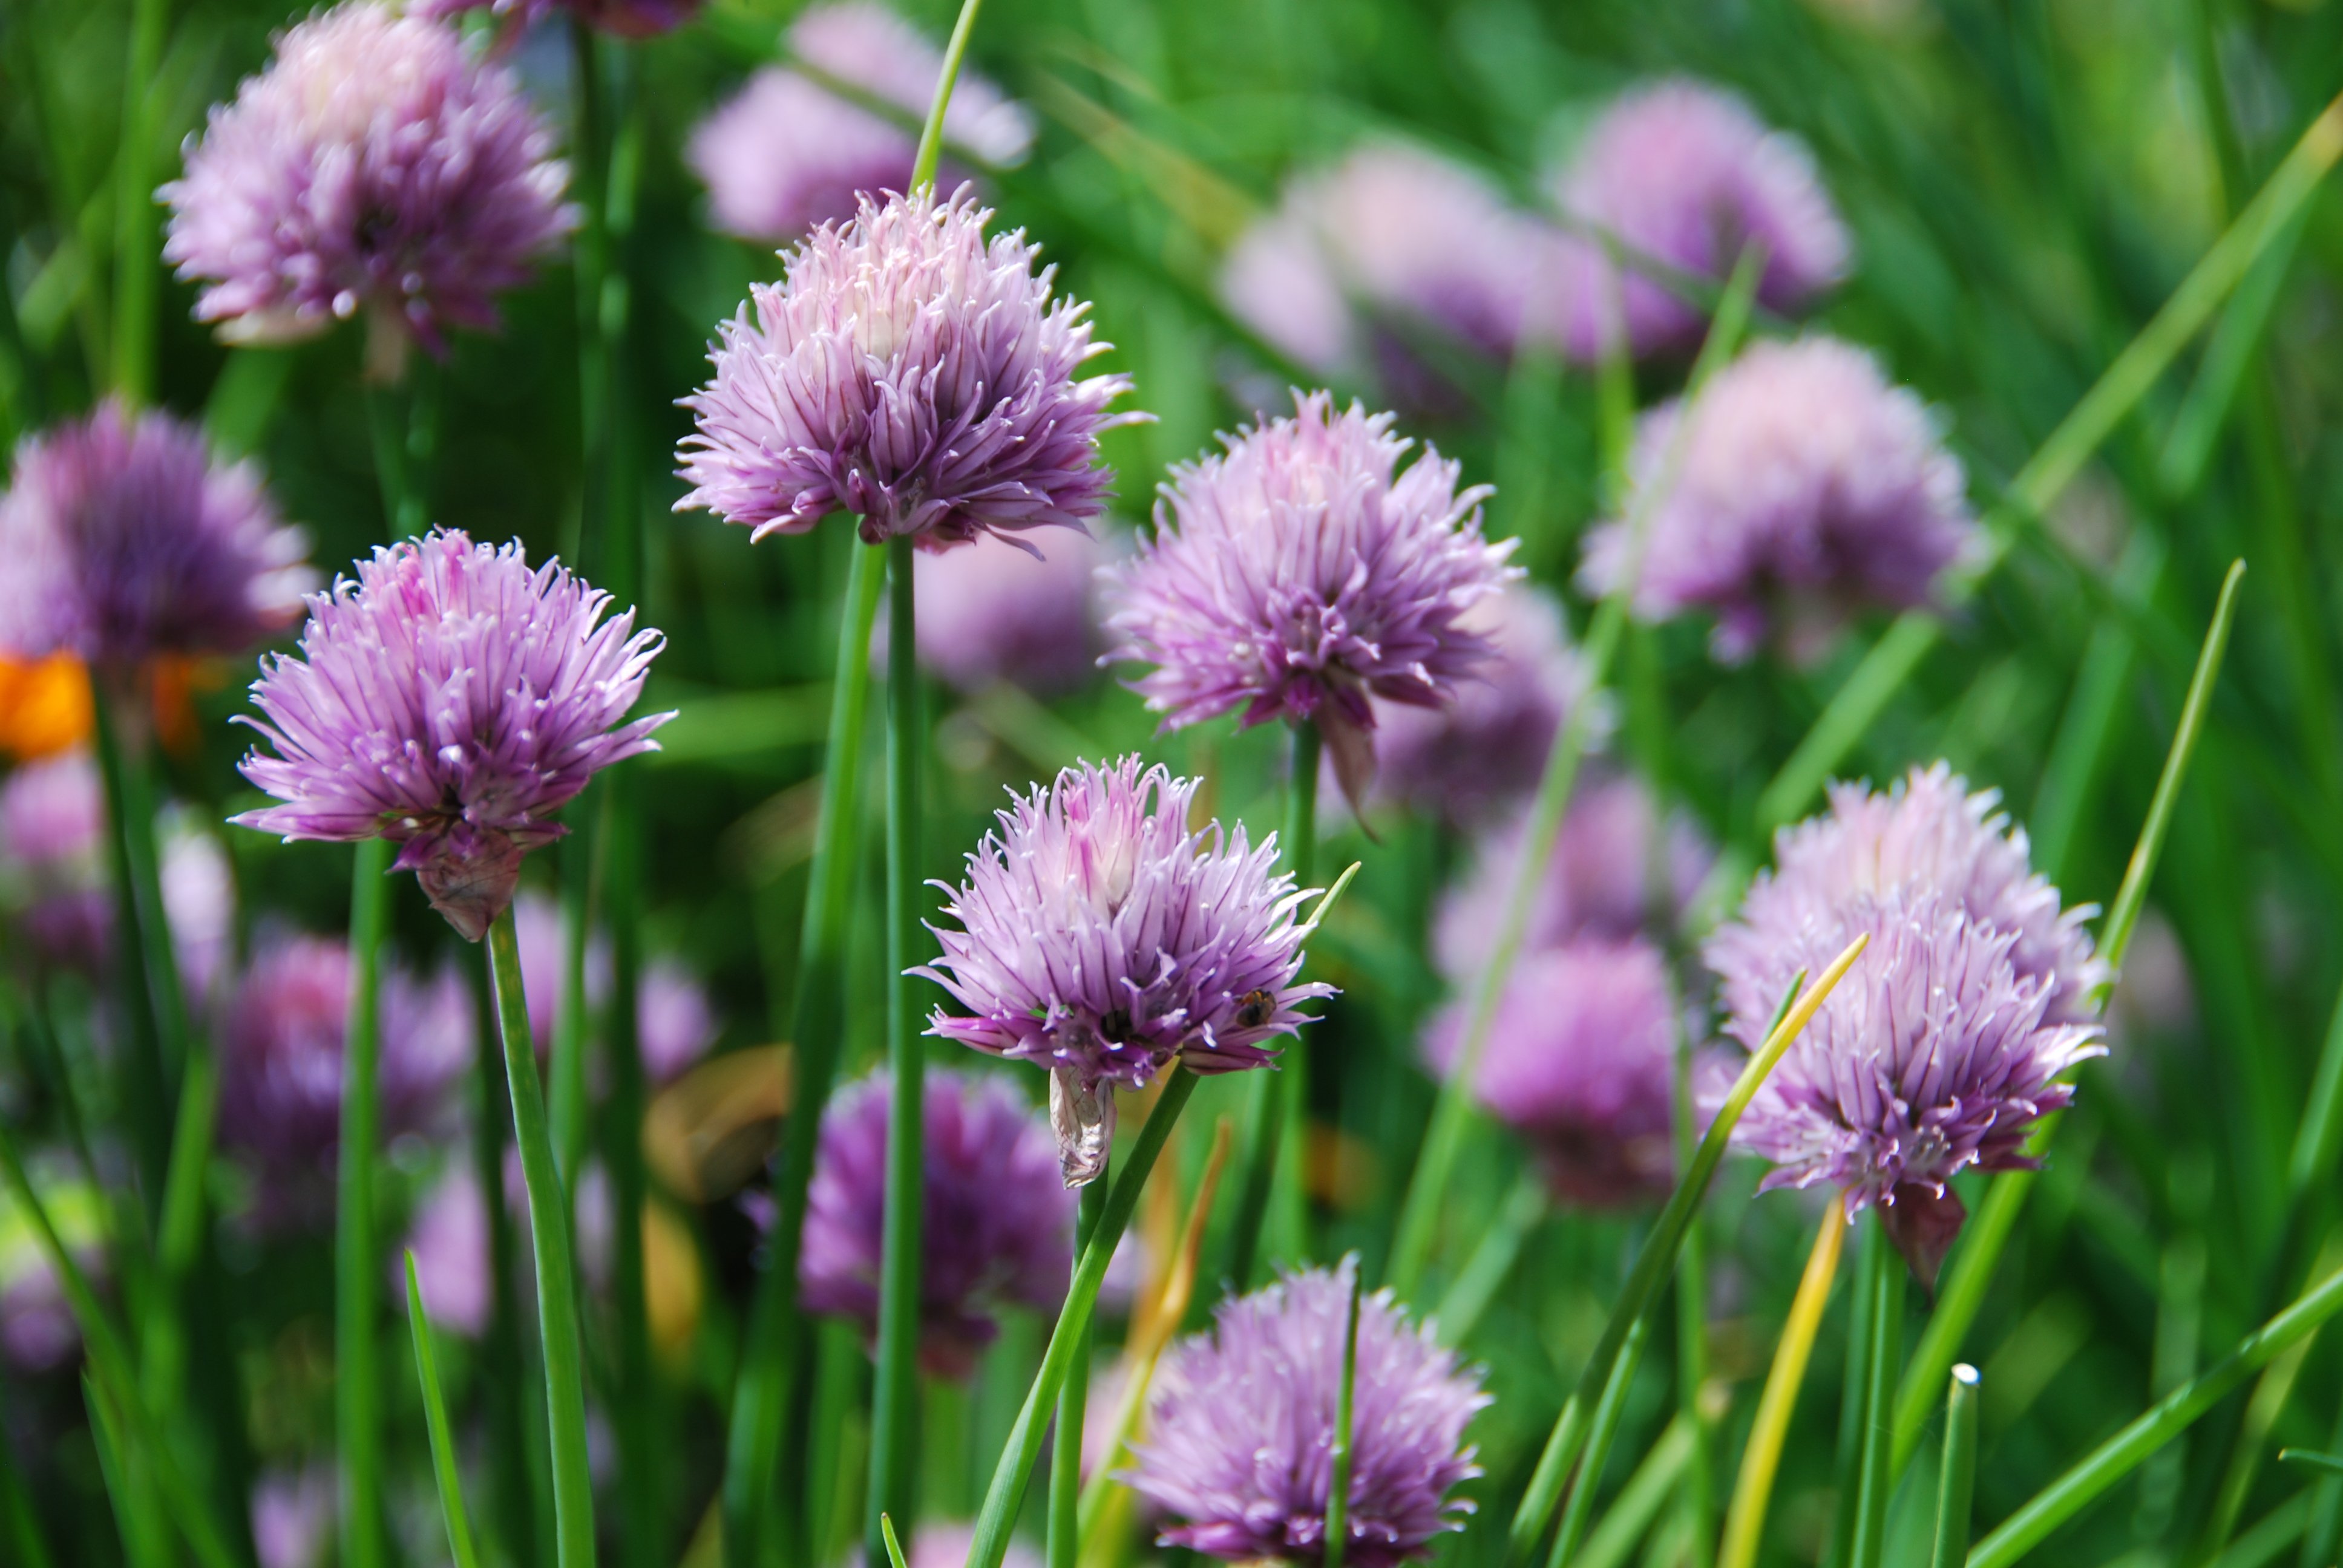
(1100,937)
(1301,573)
(912,372)
(376,166)
(450,699)
(1241,1425)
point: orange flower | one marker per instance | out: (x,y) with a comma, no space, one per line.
(44,704)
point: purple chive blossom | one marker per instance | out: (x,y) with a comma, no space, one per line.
(1580,1062)
(910,371)
(1933,1056)
(1100,937)
(997,1226)
(1927,833)
(281,1044)
(375,165)
(996,612)
(1684,175)
(674,1024)
(1483,754)
(1391,240)
(125,540)
(450,700)
(1241,1428)
(293,1513)
(626,18)
(1619,869)
(787,153)
(1300,573)
(1806,488)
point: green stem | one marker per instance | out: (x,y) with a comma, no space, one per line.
(1883,1284)
(776,1351)
(135,258)
(989,1543)
(1761,1460)
(2120,1454)
(1578,1508)
(1959,1482)
(931,134)
(1691,1321)
(147,1073)
(895,1395)
(504,1371)
(1066,1443)
(357,1395)
(1484,1275)
(1338,1470)
(1640,1499)
(444,1469)
(557,1284)
(642,1461)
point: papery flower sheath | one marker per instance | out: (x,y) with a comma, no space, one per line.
(1806,488)
(1301,572)
(910,371)
(1100,937)
(1580,1061)
(375,166)
(1242,1423)
(997,1227)
(450,699)
(1684,175)
(126,540)
(787,153)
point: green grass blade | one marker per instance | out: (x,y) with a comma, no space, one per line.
(1484,1275)
(1761,1457)
(357,1393)
(1641,1499)
(435,1420)
(1578,1506)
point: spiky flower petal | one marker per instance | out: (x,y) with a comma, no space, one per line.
(912,372)
(125,540)
(1100,937)
(375,165)
(1241,1428)
(1685,175)
(1301,572)
(1806,487)
(450,699)
(997,1226)
(787,153)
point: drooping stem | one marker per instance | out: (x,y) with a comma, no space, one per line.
(1066,1443)
(556,1285)
(358,1403)
(1752,1489)
(775,1355)
(895,1396)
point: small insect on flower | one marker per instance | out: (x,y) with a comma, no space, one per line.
(997,1226)
(1100,937)
(375,166)
(450,699)
(1241,1425)
(1802,488)
(909,370)
(1301,573)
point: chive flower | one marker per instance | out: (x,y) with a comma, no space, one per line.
(1241,1428)
(1098,935)
(1301,573)
(909,370)
(450,699)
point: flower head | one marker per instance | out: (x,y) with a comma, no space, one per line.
(1301,573)
(1099,937)
(374,165)
(450,700)
(1926,833)
(625,18)
(1241,1428)
(282,1045)
(996,1227)
(1935,1054)
(1580,1061)
(910,371)
(996,612)
(1619,869)
(1390,240)
(126,542)
(1806,487)
(1684,175)
(786,152)
(1483,753)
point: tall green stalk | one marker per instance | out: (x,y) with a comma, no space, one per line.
(357,1395)
(557,1282)
(1065,1540)
(1958,1481)
(137,257)
(1338,1464)
(895,1395)
(1578,1504)
(1876,1478)
(777,1350)
(145,1075)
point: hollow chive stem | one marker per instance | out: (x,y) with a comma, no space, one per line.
(444,1469)
(1958,1480)
(1883,1284)
(1346,1400)
(557,1284)
(1066,1446)
(358,1392)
